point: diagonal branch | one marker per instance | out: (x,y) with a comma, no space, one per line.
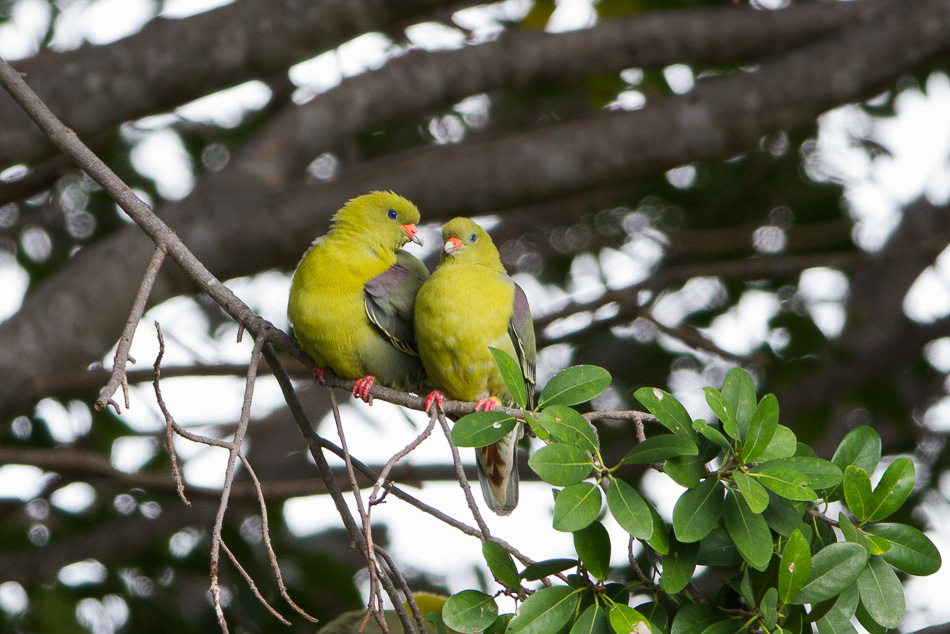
(721,117)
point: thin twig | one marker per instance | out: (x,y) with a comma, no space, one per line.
(169,419)
(315,444)
(179,482)
(253,586)
(236,444)
(372,564)
(388,467)
(645,580)
(406,590)
(265,533)
(460,471)
(125,341)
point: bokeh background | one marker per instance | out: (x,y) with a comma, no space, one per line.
(681,186)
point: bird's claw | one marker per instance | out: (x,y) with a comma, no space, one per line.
(361,388)
(486,404)
(320,374)
(435,396)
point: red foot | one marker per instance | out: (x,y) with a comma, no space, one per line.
(361,388)
(436,396)
(320,375)
(486,404)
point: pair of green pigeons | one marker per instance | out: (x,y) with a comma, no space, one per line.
(370,312)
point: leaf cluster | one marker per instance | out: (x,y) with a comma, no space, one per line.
(754,506)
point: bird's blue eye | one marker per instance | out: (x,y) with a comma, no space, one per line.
(471,238)
(392,214)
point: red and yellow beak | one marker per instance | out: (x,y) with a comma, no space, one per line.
(411,230)
(452,245)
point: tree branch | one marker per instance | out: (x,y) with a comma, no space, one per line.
(170,62)
(719,118)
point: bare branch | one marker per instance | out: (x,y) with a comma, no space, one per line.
(216,539)
(265,533)
(463,481)
(125,341)
(169,421)
(253,586)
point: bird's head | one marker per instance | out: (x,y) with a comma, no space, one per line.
(385,218)
(466,242)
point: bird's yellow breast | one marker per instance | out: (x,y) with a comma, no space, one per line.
(460,313)
(327,306)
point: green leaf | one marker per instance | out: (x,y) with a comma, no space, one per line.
(795,567)
(910,551)
(754,493)
(879,545)
(882,593)
(723,411)
(560,464)
(739,392)
(592,621)
(821,473)
(660,539)
(769,608)
(857,492)
(511,374)
(694,618)
(593,547)
(501,565)
(833,569)
(435,619)
(629,509)
(678,566)
(541,569)
(783,445)
(726,626)
(698,510)
(848,600)
(787,482)
(685,471)
(749,531)
(861,447)
(660,448)
(568,426)
(500,626)
(655,614)
(481,429)
(835,622)
(545,611)
(718,549)
(574,385)
(623,619)
(785,516)
(852,533)
(712,434)
(762,428)
(892,491)
(470,611)
(872,626)
(576,507)
(667,410)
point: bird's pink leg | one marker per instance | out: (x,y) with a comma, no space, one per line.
(486,404)
(436,396)
(320,373)
(361,388)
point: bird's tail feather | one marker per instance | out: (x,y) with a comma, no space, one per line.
(498,472)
